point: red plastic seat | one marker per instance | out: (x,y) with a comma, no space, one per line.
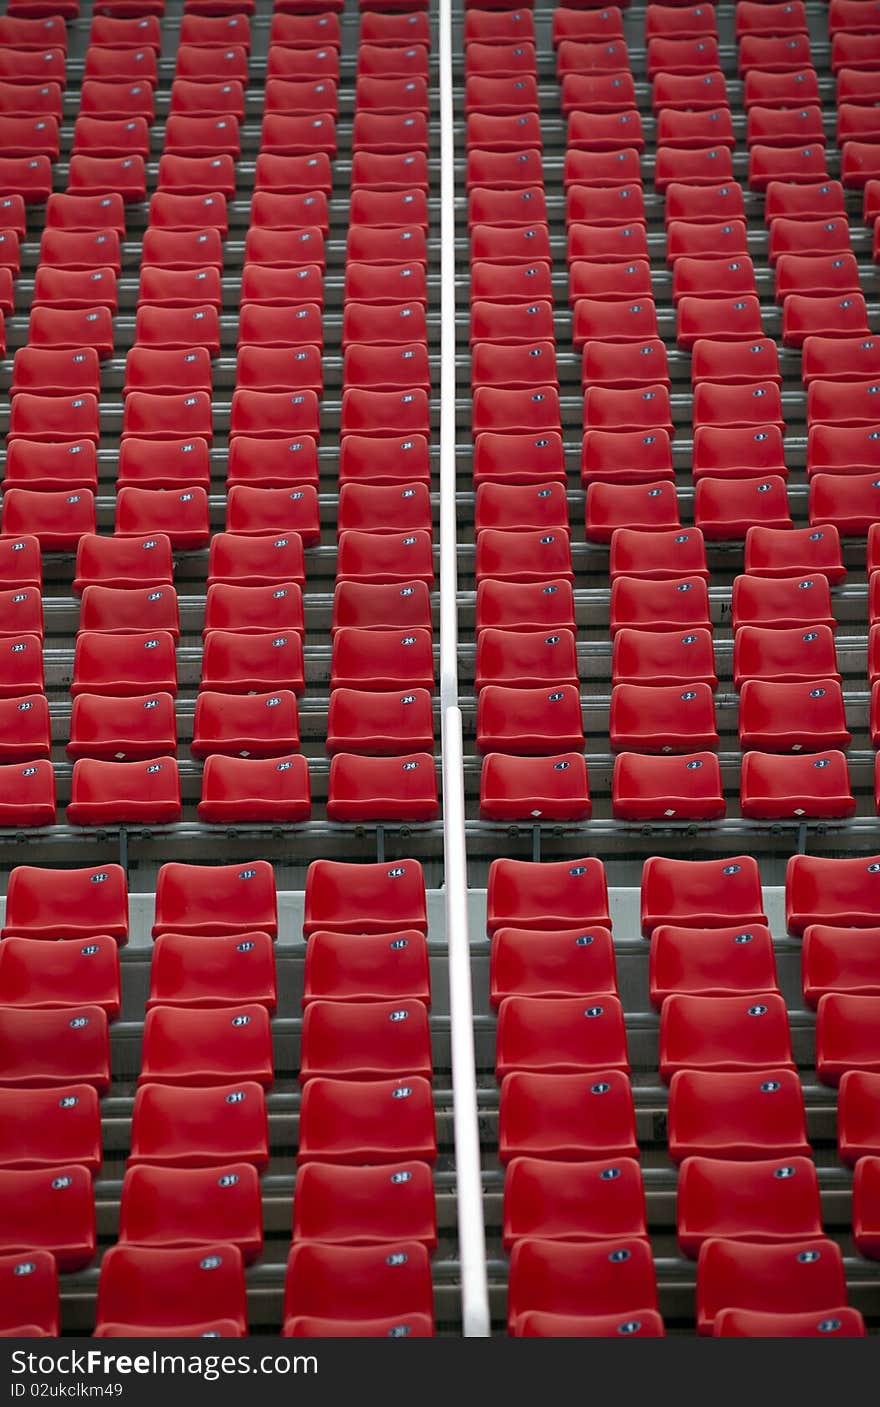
(518,324)
(171,1208)
(846,1035)
(62,975)
(272,510)
(497,96)
(785,602)
(104,175)
(605,205)
(858,1133)
(557,963)
(376,1121)
(517,459)
(628,409)
(738,1033)
(603,131)
(364,1206)
(359,968)
(254,609)
(39,1051)
(183,328)
(78,903)
(528,721)
(725,509)
(374,898)
(149,1291)
(212,971)
(384,508)
(110,792)
(196,899)
(660,719)
(649,507)
(21,612)
(560,1037)
(573,1202)
(300,97)
(179,288)
(381,659)
(128,562)
(171,210)
(510,368)
(814,277)
(632,457)
(784,656)
(245,724)
(720,319)
(783,53)
(775,787)
(277,463)
(530,659)
(260,560)
(274,790)
(385,283)
(75,289)
(312,30)
(703,90)
(236,663)
(690,55)
(664,657)
(274,414)
(520,507)
(790,717)
(21,666)
(606,243)
(181,516)
(829,361)
(642,604)
(806,315)
(380,722)
(124,664)
(379,606)
(573,1118)
(29,1300)
(840,960)
(602,320)
(701,166)
(376,1291)
(845,501)
(701,893)
(625,365)
(384,460)
(685,130)
(400,788)
(27,794)
(702,277)
(49,1210)
(372,557)
(841,449)
(35,464)
(737,1115)
(57,520)
(162,372)
(710,961)
(704,205)
(854,51)
(152,416)
(808,237)
(775,552)
(200,1127)
(598,91)
(766,1201)
(535,789)
(840,1322)
(562,893)
(207,1047)
(587,1280)
(816,201)
(91,251)
(806,1276)
(660,556)
(24,729)
(664,788)
(364,1040)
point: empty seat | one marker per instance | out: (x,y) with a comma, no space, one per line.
(176,1207)
(220,899)
(643,604)
(605,320)
(237,663)
(123,562)
(40,1052)
(207,1047)
(379,721)
(840,1322)
(276,463)
(381,606)
(527,895)
(21,666)
(782,602)
(762,1200)
(367,1121)
(841,449)
(572,1202)
(535,789)
(272,510)
(736,1115)
(660,719)
(49,1210)
(259,560)
(72,328)
(722,319)
(846,1035)
(354,1287)
(529,721)
(663,657)
(564,962)
(780,656)
(638,408)
(198,1289)
(365,1040)
(384,459)
(62,974)
(710,962)
(792,717)
(364,1206)
(583,1279)
(774,787)
(725,509)
(29,1301)
(252,609)
(401,788)
(660,556)
(54,418)
(697,240)
(364,898)
(110,608)
(367,967)
(725,1034)
(775,552)
(704,205)
(188,1127)
(525,605)
(832,360)
(806,315)
(625,365)
(839,892)
(560,1037)
(526,659)
(170,328)
(573,1118)
(225,970)
(703,277)
(524,556)
(74,903)
(803,1276)
(56,519)
(117,793)
(133,663)
(701,893)
(381,659)
(384,508)
(666,788)
(25,733)
(627,456)
(70,464)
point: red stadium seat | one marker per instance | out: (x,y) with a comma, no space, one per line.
(273,790)
(128,562)
(528,895)
(509,367)
(171,328)
(666,788)
(60,975)
(253,511)
(57,520)
(530,722)
(556,963)
(582,1279)
(537,789)
(515,459)
(198,899)
(726,1034)
(607,243)
(625,365)
(767,1201)
(785,602)
(560,1037)
(712,278)
(840,960)
(49,1210)
(199,1127)
(570,1118)
(636,507)
(704,205)
(663,658)
(775,552)
(701,893)
(710,961)
(774,787)
(530,659)
(737,1115)
(401,788)
(383,508)
(364,1206)
(800,1277)
(725,509)
(116,793)
(77,904)
(381,659)
(207,1047)
(626,456)
(721,319)
(261,560)
(846,1035)
(374,898)
(356,1287)
(838,359)
(381,722)
(380,967)
(176,1207)
(124,664)
(375,1121)
(24,729)
(737,452)
(364,1040)
(123,729)
(790,717)
(221,971)
(662,719)
(841,1322)
(29,1301)
(805,316)
(155,1291)
(623,409)
(784,656)
(39,1051)
(573,1202)
(660,556)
